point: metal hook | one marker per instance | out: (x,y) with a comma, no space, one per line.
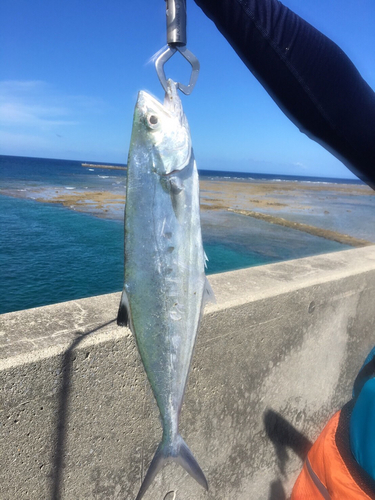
(176,39)
(174,495)
(189,56)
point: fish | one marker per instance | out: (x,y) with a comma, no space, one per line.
(165,287)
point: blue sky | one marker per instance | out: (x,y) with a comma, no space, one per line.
(70,72)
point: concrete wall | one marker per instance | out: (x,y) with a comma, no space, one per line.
(275,357)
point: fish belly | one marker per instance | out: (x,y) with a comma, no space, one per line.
(164,282)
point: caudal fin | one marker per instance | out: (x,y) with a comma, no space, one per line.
(157,463)
(186,459)
(179,452)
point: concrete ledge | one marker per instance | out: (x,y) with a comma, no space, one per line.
(275,357)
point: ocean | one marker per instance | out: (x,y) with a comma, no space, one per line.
(52,253)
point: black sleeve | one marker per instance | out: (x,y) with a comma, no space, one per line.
(308,76)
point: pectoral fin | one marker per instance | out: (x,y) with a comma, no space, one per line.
(208,295)
(123,315)
(175,185)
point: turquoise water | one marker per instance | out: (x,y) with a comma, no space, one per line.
(50,254)
(223,258)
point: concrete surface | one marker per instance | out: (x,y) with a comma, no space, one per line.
(275,358)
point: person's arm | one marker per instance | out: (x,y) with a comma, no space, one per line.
(309,77)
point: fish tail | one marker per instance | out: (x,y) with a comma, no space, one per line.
(157,463)
(179,452)
(187,460)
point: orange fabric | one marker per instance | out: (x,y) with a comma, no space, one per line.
(330,468)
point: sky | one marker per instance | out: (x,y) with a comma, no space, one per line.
(70,72)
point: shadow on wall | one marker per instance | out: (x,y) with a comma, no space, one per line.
(283,435)
(63,412)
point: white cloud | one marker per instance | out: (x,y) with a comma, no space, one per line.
(31,104)
(36,104)
(33,115)
(12,87)
(22,144)
(36,118)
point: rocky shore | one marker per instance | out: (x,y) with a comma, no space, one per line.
(268,201)
(315,231)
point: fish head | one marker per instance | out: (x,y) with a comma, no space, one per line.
(165,131)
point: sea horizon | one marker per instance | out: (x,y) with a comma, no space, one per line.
(213,172)
(62,224)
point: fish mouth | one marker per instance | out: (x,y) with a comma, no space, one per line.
(145,97)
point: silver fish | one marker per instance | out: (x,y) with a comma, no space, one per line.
(165,287)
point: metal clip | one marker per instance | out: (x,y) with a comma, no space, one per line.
(189,56)
(176,39)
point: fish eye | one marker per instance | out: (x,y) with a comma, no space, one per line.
(152,121)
